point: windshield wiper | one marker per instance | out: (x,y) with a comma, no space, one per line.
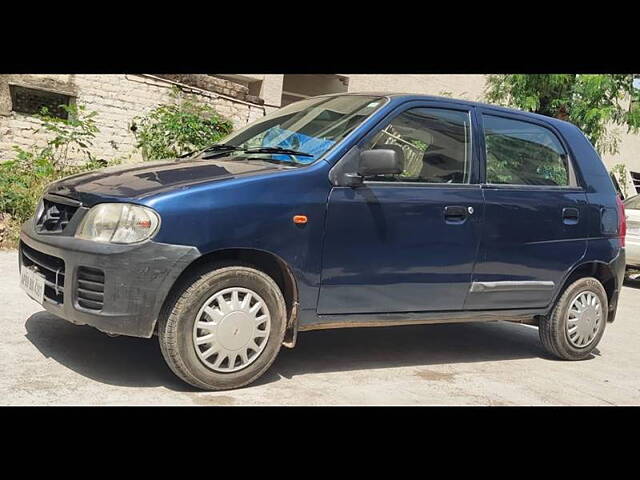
(217,149)
(284,151)
(220,147)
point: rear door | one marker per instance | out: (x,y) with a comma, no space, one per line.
(407,242)
(535,222)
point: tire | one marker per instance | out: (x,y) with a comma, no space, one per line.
(177,335)
(553,328)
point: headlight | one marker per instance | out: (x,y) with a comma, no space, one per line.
(118,223)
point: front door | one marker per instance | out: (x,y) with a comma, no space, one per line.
(535,216)
(407,242)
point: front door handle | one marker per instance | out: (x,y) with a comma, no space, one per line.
(456,213)
(570,216)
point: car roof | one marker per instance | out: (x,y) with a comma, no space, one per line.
(404,97)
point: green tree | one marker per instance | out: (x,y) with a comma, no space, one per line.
(171,130)
(595,103)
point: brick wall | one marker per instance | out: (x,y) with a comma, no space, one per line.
(117,99)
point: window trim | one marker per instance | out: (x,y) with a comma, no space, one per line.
(575,183)
(473,160)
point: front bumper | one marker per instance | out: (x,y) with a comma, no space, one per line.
(137,279)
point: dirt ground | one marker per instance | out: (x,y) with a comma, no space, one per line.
(48,361)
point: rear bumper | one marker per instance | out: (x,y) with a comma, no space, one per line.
(618,266)
(137,279)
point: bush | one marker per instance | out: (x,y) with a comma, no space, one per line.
(172,130)
(23,179)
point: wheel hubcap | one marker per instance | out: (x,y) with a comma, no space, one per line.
(231,329)
(583,319)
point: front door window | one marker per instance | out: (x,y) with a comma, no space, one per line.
(436,145)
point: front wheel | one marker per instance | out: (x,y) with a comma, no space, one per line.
(223,329)
(577,322)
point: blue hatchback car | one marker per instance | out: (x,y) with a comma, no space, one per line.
(337,211)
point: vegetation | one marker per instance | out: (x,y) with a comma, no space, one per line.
(172,130)
(620,172)
(595,103)
(23,179)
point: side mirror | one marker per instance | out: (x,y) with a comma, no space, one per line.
(381,161)
(388,160)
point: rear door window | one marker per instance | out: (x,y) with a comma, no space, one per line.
(523,153)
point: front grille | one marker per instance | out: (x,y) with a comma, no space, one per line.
(55,217)
(51,267)
(90,288)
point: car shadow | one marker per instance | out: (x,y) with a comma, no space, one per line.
(122,361)
(416,345)
(138,362)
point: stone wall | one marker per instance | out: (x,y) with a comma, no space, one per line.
(117,99)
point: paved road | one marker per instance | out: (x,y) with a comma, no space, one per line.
(47,361)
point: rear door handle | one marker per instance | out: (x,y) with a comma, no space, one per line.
(456,213)
(570,216)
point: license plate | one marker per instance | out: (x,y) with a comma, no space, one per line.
(32,282)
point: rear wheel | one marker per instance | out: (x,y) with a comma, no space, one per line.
(577,322)
(224,328)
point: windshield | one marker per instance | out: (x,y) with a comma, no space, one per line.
(299,133)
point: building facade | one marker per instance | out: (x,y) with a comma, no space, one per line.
(242,98)
(117,99)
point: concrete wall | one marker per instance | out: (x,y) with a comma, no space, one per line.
(117,99)
(629,153)
(468,87)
